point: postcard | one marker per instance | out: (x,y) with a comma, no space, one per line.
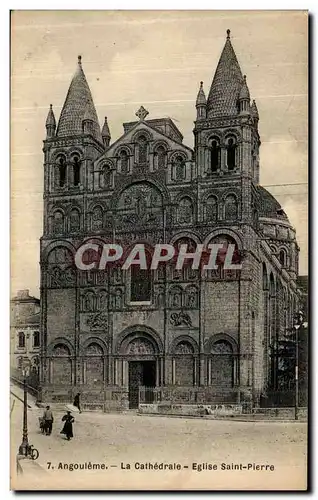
(159,326)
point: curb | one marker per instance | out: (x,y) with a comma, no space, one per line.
(26,465)
(228,419)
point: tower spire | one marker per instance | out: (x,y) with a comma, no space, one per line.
(106,133)
(226,84)
(50,123)
(78,106)
(201,103)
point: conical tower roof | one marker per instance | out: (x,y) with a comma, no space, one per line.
(254,110)
(226,85)
(105,130)
(50,121)
(77,106)
(244,92)
(201,99)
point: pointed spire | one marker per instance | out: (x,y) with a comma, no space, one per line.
(244,92)
(254,110)
(226,85)
(50,123)
(201,99)
(106,133)
(78,106)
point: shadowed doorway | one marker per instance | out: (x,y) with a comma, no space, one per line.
(141,373)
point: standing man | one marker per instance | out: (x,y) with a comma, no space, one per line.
(48,420)
(77,402)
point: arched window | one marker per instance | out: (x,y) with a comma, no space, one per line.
(74,220)
(21,339)
(140,284)
(97,219)
(265,278)
(142,149)
(211,209)
(185,211)
(62,170)
(231,153)
(76,171)
(283,257)
(36,339)
(222,364)
(161,157)
(58,222)
(215,155)
(124,159)
(184,365)
(20,363)
(180,172)
(230,208)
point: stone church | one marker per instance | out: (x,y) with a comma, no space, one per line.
(190,336)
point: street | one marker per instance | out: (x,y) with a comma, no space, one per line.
(127,451)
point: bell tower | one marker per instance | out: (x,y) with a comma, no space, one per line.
(226,132)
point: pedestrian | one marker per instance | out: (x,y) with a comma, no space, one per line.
(48,421)
(77,402)
(68,420)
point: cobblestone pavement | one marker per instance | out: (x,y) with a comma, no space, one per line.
(124,440)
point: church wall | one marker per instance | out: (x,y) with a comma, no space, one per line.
(61,313)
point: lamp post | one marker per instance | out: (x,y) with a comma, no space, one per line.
(298,323)
(23,448)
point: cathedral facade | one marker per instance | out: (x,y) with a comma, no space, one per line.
(189,335)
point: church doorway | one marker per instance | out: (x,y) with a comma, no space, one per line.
(141,374)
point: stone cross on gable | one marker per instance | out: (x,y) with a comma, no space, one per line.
(142,113)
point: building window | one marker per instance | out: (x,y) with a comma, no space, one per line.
(180,172)
(76,171)
(21,339)
(140,284)
(74,220)
(231,154)
(124,159)
(36,339)
(161,157)
(142,149)
(185,211)
(58,222)
(62,171)
(215,156)
(230,208)
(211,209)
(283,257)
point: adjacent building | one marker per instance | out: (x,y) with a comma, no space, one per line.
(25,334)
(193,336)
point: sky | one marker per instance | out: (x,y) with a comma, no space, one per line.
(155,59)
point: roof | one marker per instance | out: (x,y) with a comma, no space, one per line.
(268,206)
(50,118)
(226,85)
(23,296)
(105,130)
(201,99)
(77,106)
(244,92)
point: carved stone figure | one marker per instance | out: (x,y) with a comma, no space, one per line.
(98,321)
(180,319)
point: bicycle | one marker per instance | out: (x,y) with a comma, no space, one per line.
(32,452)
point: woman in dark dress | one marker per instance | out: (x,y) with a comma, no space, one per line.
(68,420)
